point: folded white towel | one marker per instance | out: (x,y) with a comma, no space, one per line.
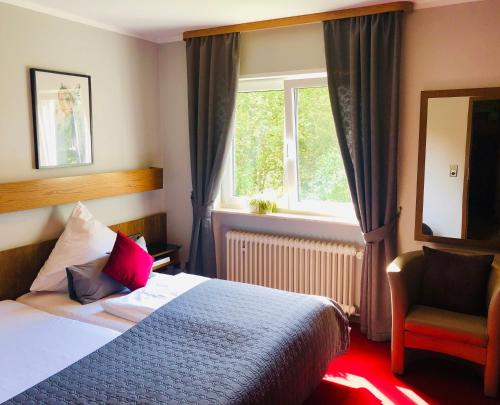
(160,290)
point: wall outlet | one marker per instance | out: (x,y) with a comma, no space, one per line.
(453,170)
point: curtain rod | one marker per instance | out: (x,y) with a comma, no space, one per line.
(302,19)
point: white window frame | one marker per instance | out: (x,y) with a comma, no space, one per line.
(291,202)
(227,198)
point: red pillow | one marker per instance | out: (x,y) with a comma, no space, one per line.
(128,263)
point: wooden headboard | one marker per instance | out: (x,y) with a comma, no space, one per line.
(19,266)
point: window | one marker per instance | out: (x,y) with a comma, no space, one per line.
(284,147)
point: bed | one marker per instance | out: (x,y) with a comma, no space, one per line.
(220,342)
(35,345)
(214,342)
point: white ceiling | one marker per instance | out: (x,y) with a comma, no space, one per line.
(166,20)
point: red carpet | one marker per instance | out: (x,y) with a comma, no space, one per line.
(363,376)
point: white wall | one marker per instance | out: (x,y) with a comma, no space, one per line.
(447,120)
(126,134)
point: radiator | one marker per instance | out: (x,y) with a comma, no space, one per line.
(293,264)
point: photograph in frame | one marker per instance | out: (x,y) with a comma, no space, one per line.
(62,118)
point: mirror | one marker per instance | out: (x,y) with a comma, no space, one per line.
(458,189)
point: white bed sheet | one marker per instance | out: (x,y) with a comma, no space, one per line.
(60,304)
(35,345)
(142,302)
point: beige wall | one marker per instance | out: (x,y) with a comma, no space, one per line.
(446,140)
(290,49)
(126,135)
(446,47)
(174,128)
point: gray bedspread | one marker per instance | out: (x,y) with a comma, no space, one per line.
(219,343)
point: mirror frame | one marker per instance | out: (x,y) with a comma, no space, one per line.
(487,92)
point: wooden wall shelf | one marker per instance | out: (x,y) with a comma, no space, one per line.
(32,194)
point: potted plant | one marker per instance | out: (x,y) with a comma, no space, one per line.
(261,206)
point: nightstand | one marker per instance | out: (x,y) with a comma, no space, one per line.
(166,257)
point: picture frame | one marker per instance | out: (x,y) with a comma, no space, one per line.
(62,118)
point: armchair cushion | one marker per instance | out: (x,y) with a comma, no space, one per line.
(455,282)
(448,325)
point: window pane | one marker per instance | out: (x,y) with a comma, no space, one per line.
(321,173)
(258,143)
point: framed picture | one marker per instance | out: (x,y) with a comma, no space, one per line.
(62,118)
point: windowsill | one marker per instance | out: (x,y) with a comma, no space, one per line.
(291,216)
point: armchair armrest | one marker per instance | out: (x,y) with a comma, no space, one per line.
(493,298)
(493,295)
(492,370)
(405,275)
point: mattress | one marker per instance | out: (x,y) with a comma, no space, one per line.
(35,345)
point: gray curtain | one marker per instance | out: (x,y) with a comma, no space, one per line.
(212,70)
(362,58)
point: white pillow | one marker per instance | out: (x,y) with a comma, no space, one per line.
(84,239)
